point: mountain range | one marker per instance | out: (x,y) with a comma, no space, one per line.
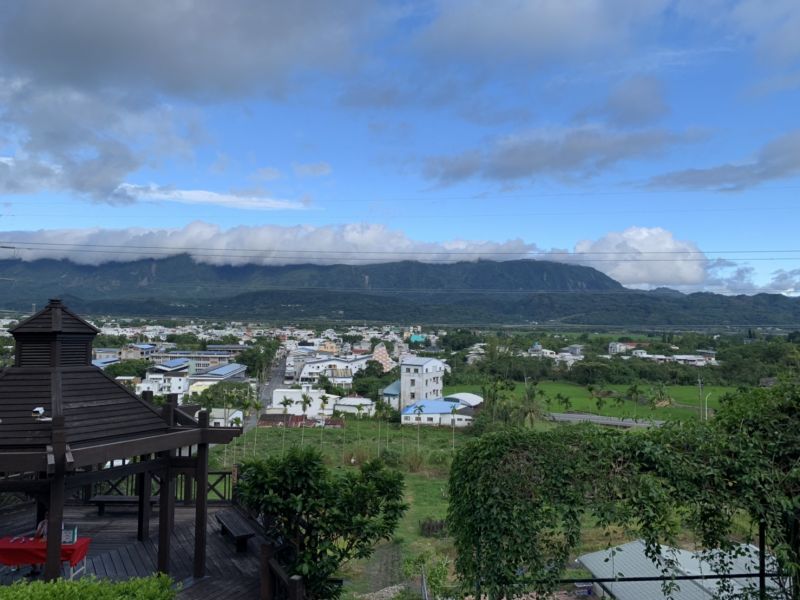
(481,292)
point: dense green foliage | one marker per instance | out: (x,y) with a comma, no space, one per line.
(158,587)
(397,292)
(330,517)
(102,340)
(226,394)
(128,368)
(258,357)
(518,498)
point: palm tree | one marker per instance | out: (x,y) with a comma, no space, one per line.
(285,403)
(453,411)
(418,412)
(359,410)
(323,403)
(304,402)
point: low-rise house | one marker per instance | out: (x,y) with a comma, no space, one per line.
(437,413)
(105,353)
(138,352)
(351,404)
(390,395)
(295,396)
(630,560)
(222,417)
(312,369)
(171,377)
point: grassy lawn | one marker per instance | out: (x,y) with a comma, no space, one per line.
(426,472)
(424,455)
(686,401)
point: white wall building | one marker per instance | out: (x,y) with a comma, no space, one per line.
(296,397)
(420,379)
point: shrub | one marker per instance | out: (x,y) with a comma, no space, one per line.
(440,457)
(390,457)
(157,587)
(414,461)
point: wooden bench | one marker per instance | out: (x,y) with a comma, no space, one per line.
(235,525)
(116,500)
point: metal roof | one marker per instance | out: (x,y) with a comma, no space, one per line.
(432,407)
(629,560)
(393,389)
(225,370)
(175,362)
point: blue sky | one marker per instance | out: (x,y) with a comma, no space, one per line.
(656,140)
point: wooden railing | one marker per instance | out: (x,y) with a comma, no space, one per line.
(276,584)
(220,487)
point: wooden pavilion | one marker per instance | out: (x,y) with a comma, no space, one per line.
(64,421)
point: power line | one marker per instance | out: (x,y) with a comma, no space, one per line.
(137,248)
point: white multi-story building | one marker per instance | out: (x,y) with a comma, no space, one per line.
(420,379)
(312,369)
(171,377)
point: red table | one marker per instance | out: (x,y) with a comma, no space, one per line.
(26,551)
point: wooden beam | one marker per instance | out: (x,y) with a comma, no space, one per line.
(23,461)
(55,516)
(144,488)
(102,453)
(79,479)
(201,503)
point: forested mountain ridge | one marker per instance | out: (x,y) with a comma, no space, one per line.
(482,292)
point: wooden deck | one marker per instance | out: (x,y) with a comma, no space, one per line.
(116,554)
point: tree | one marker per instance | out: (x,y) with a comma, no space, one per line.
(330,517)
(453,411)
(418,417)
(323,404)
(285,403)
(305,401)
(129,368)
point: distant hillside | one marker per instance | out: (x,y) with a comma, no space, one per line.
(180,277)
(512,292)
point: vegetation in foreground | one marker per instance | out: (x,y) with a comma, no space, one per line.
(329,517)
(157,587)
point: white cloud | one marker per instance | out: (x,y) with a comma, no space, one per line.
(645,257)
(155,193)
(264,245)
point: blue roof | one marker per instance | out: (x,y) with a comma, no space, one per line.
(175,362)
(418,337)
(143,346)
(431,407)
(225,370)
(104,362)
(393,389)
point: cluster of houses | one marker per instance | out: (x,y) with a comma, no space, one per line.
(628,350)
(418,394)
(180,372)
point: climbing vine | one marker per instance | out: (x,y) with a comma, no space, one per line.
(518,498)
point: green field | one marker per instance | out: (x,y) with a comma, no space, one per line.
(425,473)
(686,400)
(424,456)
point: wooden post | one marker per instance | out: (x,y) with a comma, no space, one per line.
(166,502)
(201,502)
(144,486)
(147,396)
(296,588)
(266,578)
(55,515)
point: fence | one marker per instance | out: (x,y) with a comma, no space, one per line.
(220,487)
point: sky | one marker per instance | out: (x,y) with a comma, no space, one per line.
(655,140)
